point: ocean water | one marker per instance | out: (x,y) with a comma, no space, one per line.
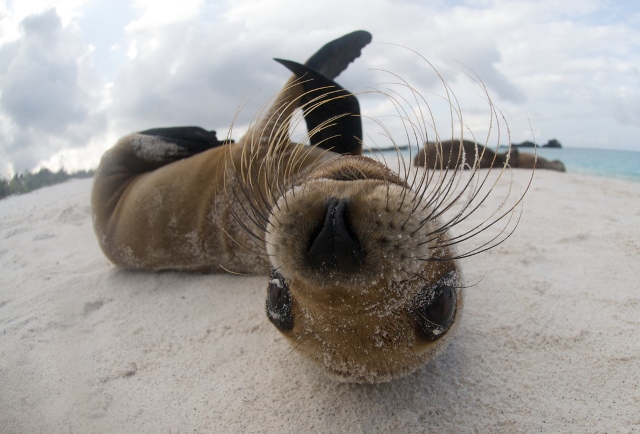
(598,162)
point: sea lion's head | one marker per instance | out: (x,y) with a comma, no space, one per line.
(363,281)
(364,277)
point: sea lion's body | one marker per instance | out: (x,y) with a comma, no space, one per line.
(364,277)
(179,216)
(177,198)
(450,154)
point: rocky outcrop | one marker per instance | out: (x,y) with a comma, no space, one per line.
(527,160)
(524,145)
(553,143)
(449,155)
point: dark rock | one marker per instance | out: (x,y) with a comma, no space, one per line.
(553,143)
(526,144)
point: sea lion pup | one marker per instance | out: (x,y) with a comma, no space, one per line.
(450,154)
(364,278)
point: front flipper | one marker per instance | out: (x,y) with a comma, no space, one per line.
(329,61)
(335,56)
(331,109)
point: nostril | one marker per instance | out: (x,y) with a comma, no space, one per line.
(333,244)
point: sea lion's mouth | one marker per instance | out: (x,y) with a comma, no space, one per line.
(357,167)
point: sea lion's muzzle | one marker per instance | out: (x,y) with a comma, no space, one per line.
(333,245)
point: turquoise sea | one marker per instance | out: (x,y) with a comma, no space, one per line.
(599,162)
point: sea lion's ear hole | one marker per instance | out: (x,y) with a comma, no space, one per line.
(279,302)
(434,309)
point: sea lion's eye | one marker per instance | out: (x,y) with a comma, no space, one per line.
(434,309)
(279,303)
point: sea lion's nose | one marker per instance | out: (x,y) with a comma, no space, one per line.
(334,245)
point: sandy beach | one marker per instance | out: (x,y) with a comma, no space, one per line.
(549,340)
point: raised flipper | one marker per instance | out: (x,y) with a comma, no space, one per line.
(319,71)
(335,56)
(345,134)
(325,101)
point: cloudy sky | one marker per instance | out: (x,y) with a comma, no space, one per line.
(77,75)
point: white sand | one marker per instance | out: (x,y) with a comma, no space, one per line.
(550,339)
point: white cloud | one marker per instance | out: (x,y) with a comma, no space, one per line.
(567,69)
(12,16)
(48,92)
(153,13)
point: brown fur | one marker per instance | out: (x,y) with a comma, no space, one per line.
(254,205)
(449,154)
(179,215)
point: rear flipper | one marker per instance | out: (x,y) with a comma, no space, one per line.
(165,145)
(145,152)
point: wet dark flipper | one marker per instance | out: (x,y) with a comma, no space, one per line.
(332,104)
(335,56)
(189,141)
